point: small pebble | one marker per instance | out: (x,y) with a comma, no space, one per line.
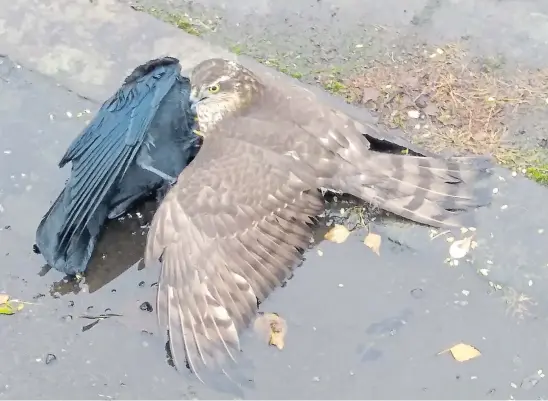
(484,272)
(50,358)
(413,114)
(513,385)
(504,207)
(320,252)
(540,230)
(142,284)
(315,379)
(69,114)
(146,307)
(530,283)
(71,303)
(341,285)
(67,318)
(7,152)
(514,173)
(495,190)
(465,293)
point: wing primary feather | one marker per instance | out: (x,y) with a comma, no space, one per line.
(98,154)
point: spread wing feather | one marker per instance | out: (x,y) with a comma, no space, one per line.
(423,189)
(227,234)
(102,153)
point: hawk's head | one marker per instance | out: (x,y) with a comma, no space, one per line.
(221,88)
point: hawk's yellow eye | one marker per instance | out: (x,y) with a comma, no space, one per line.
(214,88)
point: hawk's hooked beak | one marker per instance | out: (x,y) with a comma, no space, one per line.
(194,100)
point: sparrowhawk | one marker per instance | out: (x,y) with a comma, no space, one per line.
(230,230)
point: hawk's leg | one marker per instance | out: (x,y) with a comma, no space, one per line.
(145,161)
(171,180)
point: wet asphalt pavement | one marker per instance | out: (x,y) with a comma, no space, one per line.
(359,325)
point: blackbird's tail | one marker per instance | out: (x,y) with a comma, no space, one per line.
(72,257)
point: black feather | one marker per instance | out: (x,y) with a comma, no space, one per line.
(147,119)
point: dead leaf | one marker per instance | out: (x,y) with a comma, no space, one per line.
(370,94)
(272,327)
(373,241)
(462,352)
(337,234)
(4,298)
(460,248)
(10,307)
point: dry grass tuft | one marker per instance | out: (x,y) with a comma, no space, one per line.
(443,100)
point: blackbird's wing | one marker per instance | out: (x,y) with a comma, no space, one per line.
(227,234)
(102,153)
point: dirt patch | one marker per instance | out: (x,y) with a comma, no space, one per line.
(183,21)
(444,100)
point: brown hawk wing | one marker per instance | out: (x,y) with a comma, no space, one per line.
(226,235)
(428,190)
